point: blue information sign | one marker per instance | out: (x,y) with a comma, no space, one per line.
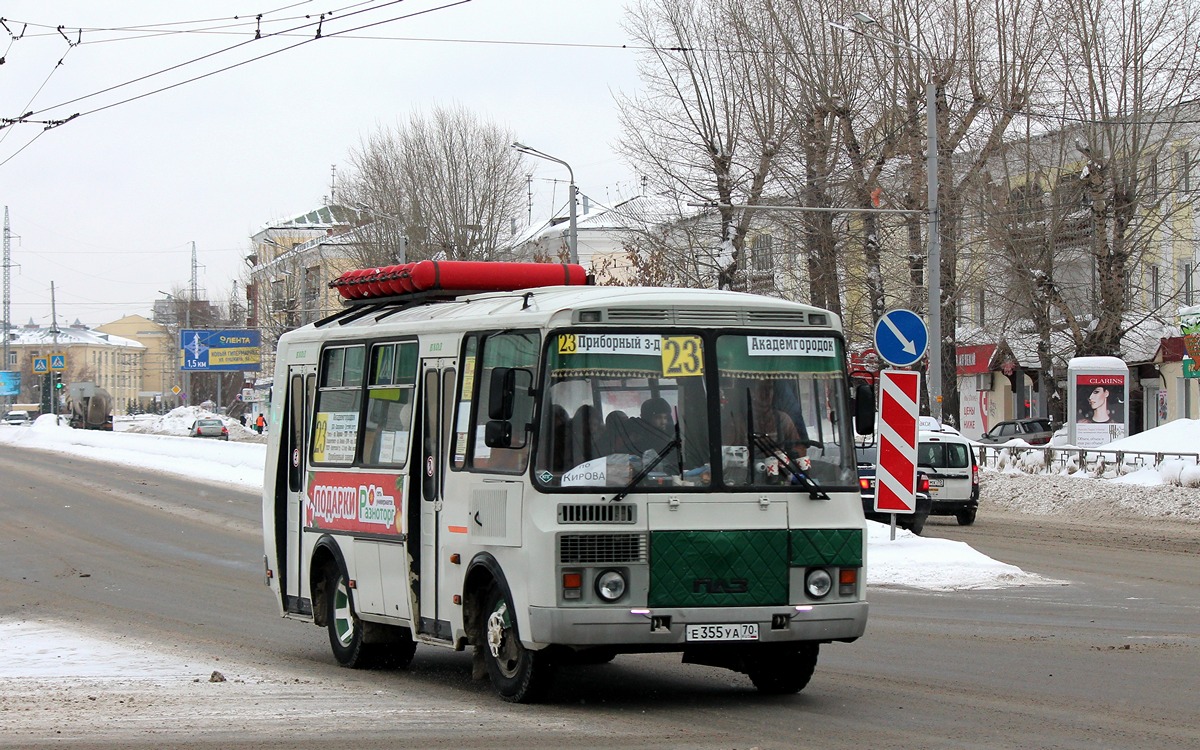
(10,383)
(901,337)
(237,349)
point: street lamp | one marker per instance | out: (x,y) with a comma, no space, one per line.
(572,231)
(935,239)
(402,251)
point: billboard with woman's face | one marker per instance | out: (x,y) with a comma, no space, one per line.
(1099,409)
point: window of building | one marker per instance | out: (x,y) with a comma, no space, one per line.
(1187,281)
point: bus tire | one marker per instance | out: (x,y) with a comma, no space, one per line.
(345,629)
(398,652)
(782,671)
(518,674)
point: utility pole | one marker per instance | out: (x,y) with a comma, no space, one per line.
(7,288)
(53,351)
(187,323)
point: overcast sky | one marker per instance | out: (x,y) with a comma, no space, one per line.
(107,205)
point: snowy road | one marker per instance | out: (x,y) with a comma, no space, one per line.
(163,578)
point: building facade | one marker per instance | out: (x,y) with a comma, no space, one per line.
(110,361)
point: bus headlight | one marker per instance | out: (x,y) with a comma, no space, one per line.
(818,582)
(610,585)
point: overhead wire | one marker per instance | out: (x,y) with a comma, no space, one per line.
(230,48)
(264,56)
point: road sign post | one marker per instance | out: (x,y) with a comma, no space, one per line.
(901,338)
(896,473)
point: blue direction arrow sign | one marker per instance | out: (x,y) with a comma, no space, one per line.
(901,337)
(40,365)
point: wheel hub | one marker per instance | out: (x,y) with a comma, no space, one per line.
(495,629)
(343,618)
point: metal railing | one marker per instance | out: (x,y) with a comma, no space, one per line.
(1098,461)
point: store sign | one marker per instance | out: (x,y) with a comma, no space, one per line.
(975,360)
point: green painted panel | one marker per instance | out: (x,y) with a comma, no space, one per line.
(841,547)
(719,568)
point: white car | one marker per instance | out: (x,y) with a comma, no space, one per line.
(17,417)
(949,460)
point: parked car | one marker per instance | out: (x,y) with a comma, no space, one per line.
(914,522)
(17,417)
(949,460)
(210,428)
(1033,430)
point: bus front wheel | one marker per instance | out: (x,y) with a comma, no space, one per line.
(518,674)
(783,671)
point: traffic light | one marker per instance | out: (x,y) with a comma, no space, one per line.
(58,384)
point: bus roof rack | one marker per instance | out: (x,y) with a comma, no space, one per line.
(447,279)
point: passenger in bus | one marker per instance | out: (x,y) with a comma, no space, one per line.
(587,434)
(768,420)
(556,449)
(615,432)
(787,401)
(649,432)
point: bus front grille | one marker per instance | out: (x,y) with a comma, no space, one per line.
(593,513)
(601,549)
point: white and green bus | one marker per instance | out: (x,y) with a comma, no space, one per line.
(560,474)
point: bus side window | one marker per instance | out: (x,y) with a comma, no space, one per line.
(339,400)
(518,350)
(391,386)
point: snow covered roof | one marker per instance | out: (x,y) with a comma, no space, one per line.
(72,336)
(325,217)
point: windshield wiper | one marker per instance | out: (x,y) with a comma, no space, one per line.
(649,467)
(767,445)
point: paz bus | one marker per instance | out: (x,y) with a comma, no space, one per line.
(506,458)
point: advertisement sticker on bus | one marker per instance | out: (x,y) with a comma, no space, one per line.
(335,436)
(354,502)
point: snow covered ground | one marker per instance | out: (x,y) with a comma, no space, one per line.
(160,444)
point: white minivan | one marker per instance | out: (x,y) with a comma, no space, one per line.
(949,460)
(17,417)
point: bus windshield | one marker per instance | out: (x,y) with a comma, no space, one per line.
(622,404)
(783,401)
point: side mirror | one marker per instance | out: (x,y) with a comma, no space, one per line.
(498,433)
(509,407)
(864,410)
(502,390)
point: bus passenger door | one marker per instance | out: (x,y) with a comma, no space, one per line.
(293,450)
(437,395)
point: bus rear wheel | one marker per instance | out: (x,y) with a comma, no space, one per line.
(357,644)
(782,671)
(518,674)
(345,629)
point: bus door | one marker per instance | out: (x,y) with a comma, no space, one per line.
(290,481)
(433,449)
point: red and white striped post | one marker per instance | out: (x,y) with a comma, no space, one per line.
(896,474)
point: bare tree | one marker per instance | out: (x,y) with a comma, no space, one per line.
(1130,76)
(443,185)
(1087,208)
(708,126)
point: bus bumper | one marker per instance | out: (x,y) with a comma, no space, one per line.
(666,628)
